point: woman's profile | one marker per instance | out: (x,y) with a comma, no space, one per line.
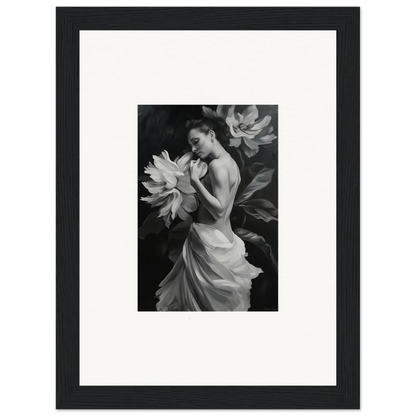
(211,273)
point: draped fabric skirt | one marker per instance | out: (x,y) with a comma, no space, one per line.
(211,274)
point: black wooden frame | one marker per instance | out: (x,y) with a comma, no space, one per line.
(69,394)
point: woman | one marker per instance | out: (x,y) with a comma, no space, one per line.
(211,274)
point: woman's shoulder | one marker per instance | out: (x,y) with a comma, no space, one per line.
(218,169)
(223,168)
(217,164)
(226,162)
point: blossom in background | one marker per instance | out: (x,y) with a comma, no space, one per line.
(248,132)
(170,187)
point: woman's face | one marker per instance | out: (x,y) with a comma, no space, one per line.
(201,143)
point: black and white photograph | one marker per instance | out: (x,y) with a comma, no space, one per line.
(208,208)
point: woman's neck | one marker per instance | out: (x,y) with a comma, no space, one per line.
(217,151)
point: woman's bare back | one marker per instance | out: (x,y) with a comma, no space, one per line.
(223,223)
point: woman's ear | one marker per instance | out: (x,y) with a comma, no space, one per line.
(212,135)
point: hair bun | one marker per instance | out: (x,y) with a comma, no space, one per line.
(223,131)
(218,125)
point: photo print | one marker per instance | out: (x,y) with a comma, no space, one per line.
(208,208)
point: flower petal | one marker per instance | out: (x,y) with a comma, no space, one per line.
(250,143)
(154,187)
(264,136)
(183,162)
(183,215)
(250,114)
(249,134)
(154,200)
(259,125)
(157,199)
(149,198)
(176,203)
(231,120)
(170,179)
(231,111)
(170,207)
(184,185)
(235,142)
(239,118)
(154,173)
(264,139)
(265,132)
(189,203)
(250,148)
(207,112)
(236,132)
(222,111)
(168,220)
(165,155)
(164,163)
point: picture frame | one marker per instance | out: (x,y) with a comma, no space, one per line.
(70,393)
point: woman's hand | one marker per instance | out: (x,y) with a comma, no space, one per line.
(197,169)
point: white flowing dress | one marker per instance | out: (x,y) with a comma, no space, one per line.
(211,274)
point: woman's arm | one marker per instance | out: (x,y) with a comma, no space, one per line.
(217,203)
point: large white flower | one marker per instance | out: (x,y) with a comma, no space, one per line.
(247,131)
(170,187)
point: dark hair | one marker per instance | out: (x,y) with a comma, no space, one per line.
(222,132)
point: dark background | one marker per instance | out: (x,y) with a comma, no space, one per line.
(162,127)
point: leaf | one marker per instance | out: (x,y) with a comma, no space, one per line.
(152,225)
(260,242)
(254,169)
(260,209)
(176,239)
(261,180)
